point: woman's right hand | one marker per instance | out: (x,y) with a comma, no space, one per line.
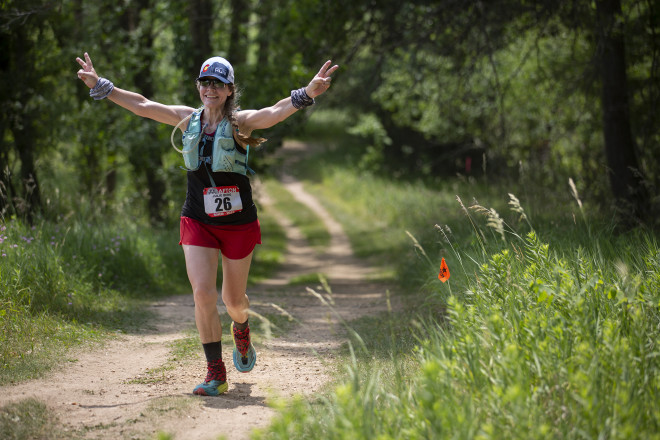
(87,74)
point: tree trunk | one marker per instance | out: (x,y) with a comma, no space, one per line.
(237,37)
(5,183)
(264,18)
(5,179)
(29,182)
(630,195)
(200,17)
(23,132)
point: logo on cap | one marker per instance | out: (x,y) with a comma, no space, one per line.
(206,68)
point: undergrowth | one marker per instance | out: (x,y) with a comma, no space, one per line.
(547,328)
(63,285)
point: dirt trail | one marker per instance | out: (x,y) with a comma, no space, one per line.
(109,394)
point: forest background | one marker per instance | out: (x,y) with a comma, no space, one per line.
(544,90)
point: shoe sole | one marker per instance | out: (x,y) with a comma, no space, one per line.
(251,360)
(238,359)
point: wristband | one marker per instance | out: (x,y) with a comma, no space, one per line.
(102,89)
(300,99)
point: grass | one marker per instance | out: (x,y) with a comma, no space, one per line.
(310,278)
(538,343)
(547,328)
(60,287)
(28,419)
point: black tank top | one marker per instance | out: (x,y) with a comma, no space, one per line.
(199,179)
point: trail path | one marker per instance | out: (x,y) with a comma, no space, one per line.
(108,393)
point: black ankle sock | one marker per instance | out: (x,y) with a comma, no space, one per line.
(241,327)
(213,351)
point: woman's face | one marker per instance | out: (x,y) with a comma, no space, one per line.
(213,92)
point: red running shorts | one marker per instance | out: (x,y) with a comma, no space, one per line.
(234,241)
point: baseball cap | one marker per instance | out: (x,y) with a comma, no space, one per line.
(217,67)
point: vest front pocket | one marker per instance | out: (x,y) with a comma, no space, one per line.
(191,150)
(224,155)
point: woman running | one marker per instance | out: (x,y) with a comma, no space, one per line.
(218,217)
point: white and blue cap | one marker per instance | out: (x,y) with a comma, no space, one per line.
(217,67)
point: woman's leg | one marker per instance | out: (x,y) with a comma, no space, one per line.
(234,284)
(202,267)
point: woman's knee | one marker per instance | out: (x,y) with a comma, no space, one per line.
(238,302)
(205,296)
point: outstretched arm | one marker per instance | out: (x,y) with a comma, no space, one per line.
(134,102)
(249,120)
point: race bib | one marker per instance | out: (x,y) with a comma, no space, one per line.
(222,200)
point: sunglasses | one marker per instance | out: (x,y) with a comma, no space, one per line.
(215,83)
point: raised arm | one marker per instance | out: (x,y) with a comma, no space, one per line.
(249,120)
(134,102)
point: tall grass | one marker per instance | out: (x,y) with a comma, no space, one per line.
(62,285)
(547,328)
(538,342)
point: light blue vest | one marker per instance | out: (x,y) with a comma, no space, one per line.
(226,156)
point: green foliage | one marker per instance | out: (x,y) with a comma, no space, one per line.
(542,348)
(505,88)
(549,346)
(507,103)
(547,328)
(60,286)
(369,127)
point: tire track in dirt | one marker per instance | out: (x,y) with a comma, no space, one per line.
(106,393)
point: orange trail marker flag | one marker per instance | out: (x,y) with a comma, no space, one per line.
(444,271)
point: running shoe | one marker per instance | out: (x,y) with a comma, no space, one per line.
(211,388)
(215,382)
(244,354)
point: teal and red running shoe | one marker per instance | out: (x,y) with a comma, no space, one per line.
(215,382)
(244,354)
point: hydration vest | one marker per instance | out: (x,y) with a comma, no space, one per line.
(226,156)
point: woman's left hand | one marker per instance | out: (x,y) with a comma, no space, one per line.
(87,73)
(321,81)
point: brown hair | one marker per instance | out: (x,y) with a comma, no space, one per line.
(231,107)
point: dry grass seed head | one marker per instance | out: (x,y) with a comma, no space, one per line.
(493,219)
(574,192)
(445,231)
(514,203)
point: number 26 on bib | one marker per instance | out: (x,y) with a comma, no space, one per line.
(222,200)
